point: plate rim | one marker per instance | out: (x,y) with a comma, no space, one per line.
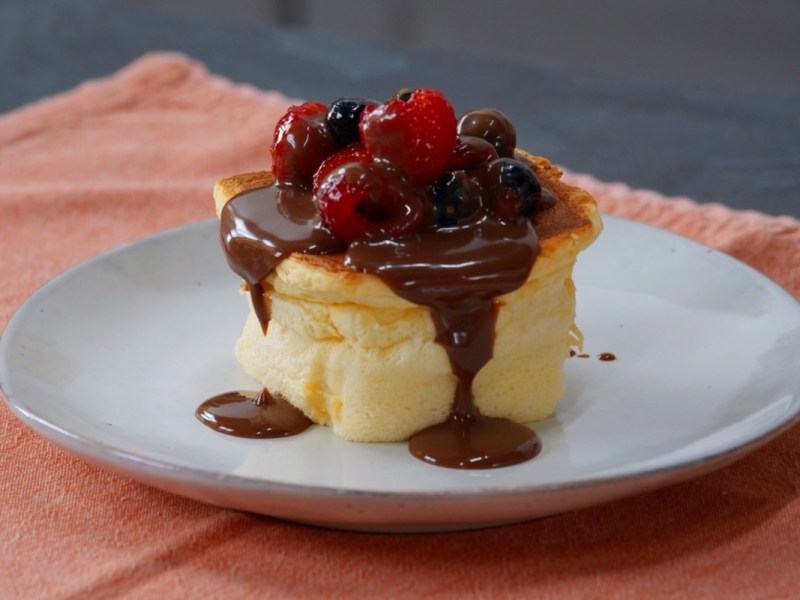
(108,455)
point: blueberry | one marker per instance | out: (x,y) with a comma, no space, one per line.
(512,189)
(456,198)
(343,117)
(491,125)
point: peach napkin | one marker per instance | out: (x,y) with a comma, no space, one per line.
(138,152)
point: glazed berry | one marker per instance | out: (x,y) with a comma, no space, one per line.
(456,198)
(493,126)
(353,153)
(512,189)
(471,152)
(300,143)
(368,201)
(343,117)
(416,136)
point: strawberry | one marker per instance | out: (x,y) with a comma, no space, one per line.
(415,133)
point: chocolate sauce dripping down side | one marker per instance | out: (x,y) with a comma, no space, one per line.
(261,227)
(457,272)
(252,415)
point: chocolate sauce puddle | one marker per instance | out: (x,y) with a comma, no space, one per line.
(475,443)
(456,272)
(252,415)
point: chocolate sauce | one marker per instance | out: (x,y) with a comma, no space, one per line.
(604,356)
(455,271)
(475,442)
(261,227)
(252,415)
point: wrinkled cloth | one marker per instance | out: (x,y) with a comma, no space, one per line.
(138,152)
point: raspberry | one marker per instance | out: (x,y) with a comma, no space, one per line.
(361,201)
(416,136)
(354,153)
(300,144)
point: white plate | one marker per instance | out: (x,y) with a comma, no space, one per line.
(111,359)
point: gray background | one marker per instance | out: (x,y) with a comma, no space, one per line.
(742,43)
(694,99)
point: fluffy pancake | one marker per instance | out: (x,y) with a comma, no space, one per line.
(350,353)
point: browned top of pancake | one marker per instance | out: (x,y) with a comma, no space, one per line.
(569,213)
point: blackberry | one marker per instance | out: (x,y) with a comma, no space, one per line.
(343,117)
(456,198)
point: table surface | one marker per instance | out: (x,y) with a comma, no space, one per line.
(737,147)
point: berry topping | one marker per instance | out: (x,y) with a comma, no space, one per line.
(416,136)
(390,170)
(300,144)
(343,118)
(512,189)
(471,152)
(368,201)
(456,198)
(354,153)
(491,125)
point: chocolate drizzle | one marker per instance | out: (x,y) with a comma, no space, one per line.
(261,227)
(455,271)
